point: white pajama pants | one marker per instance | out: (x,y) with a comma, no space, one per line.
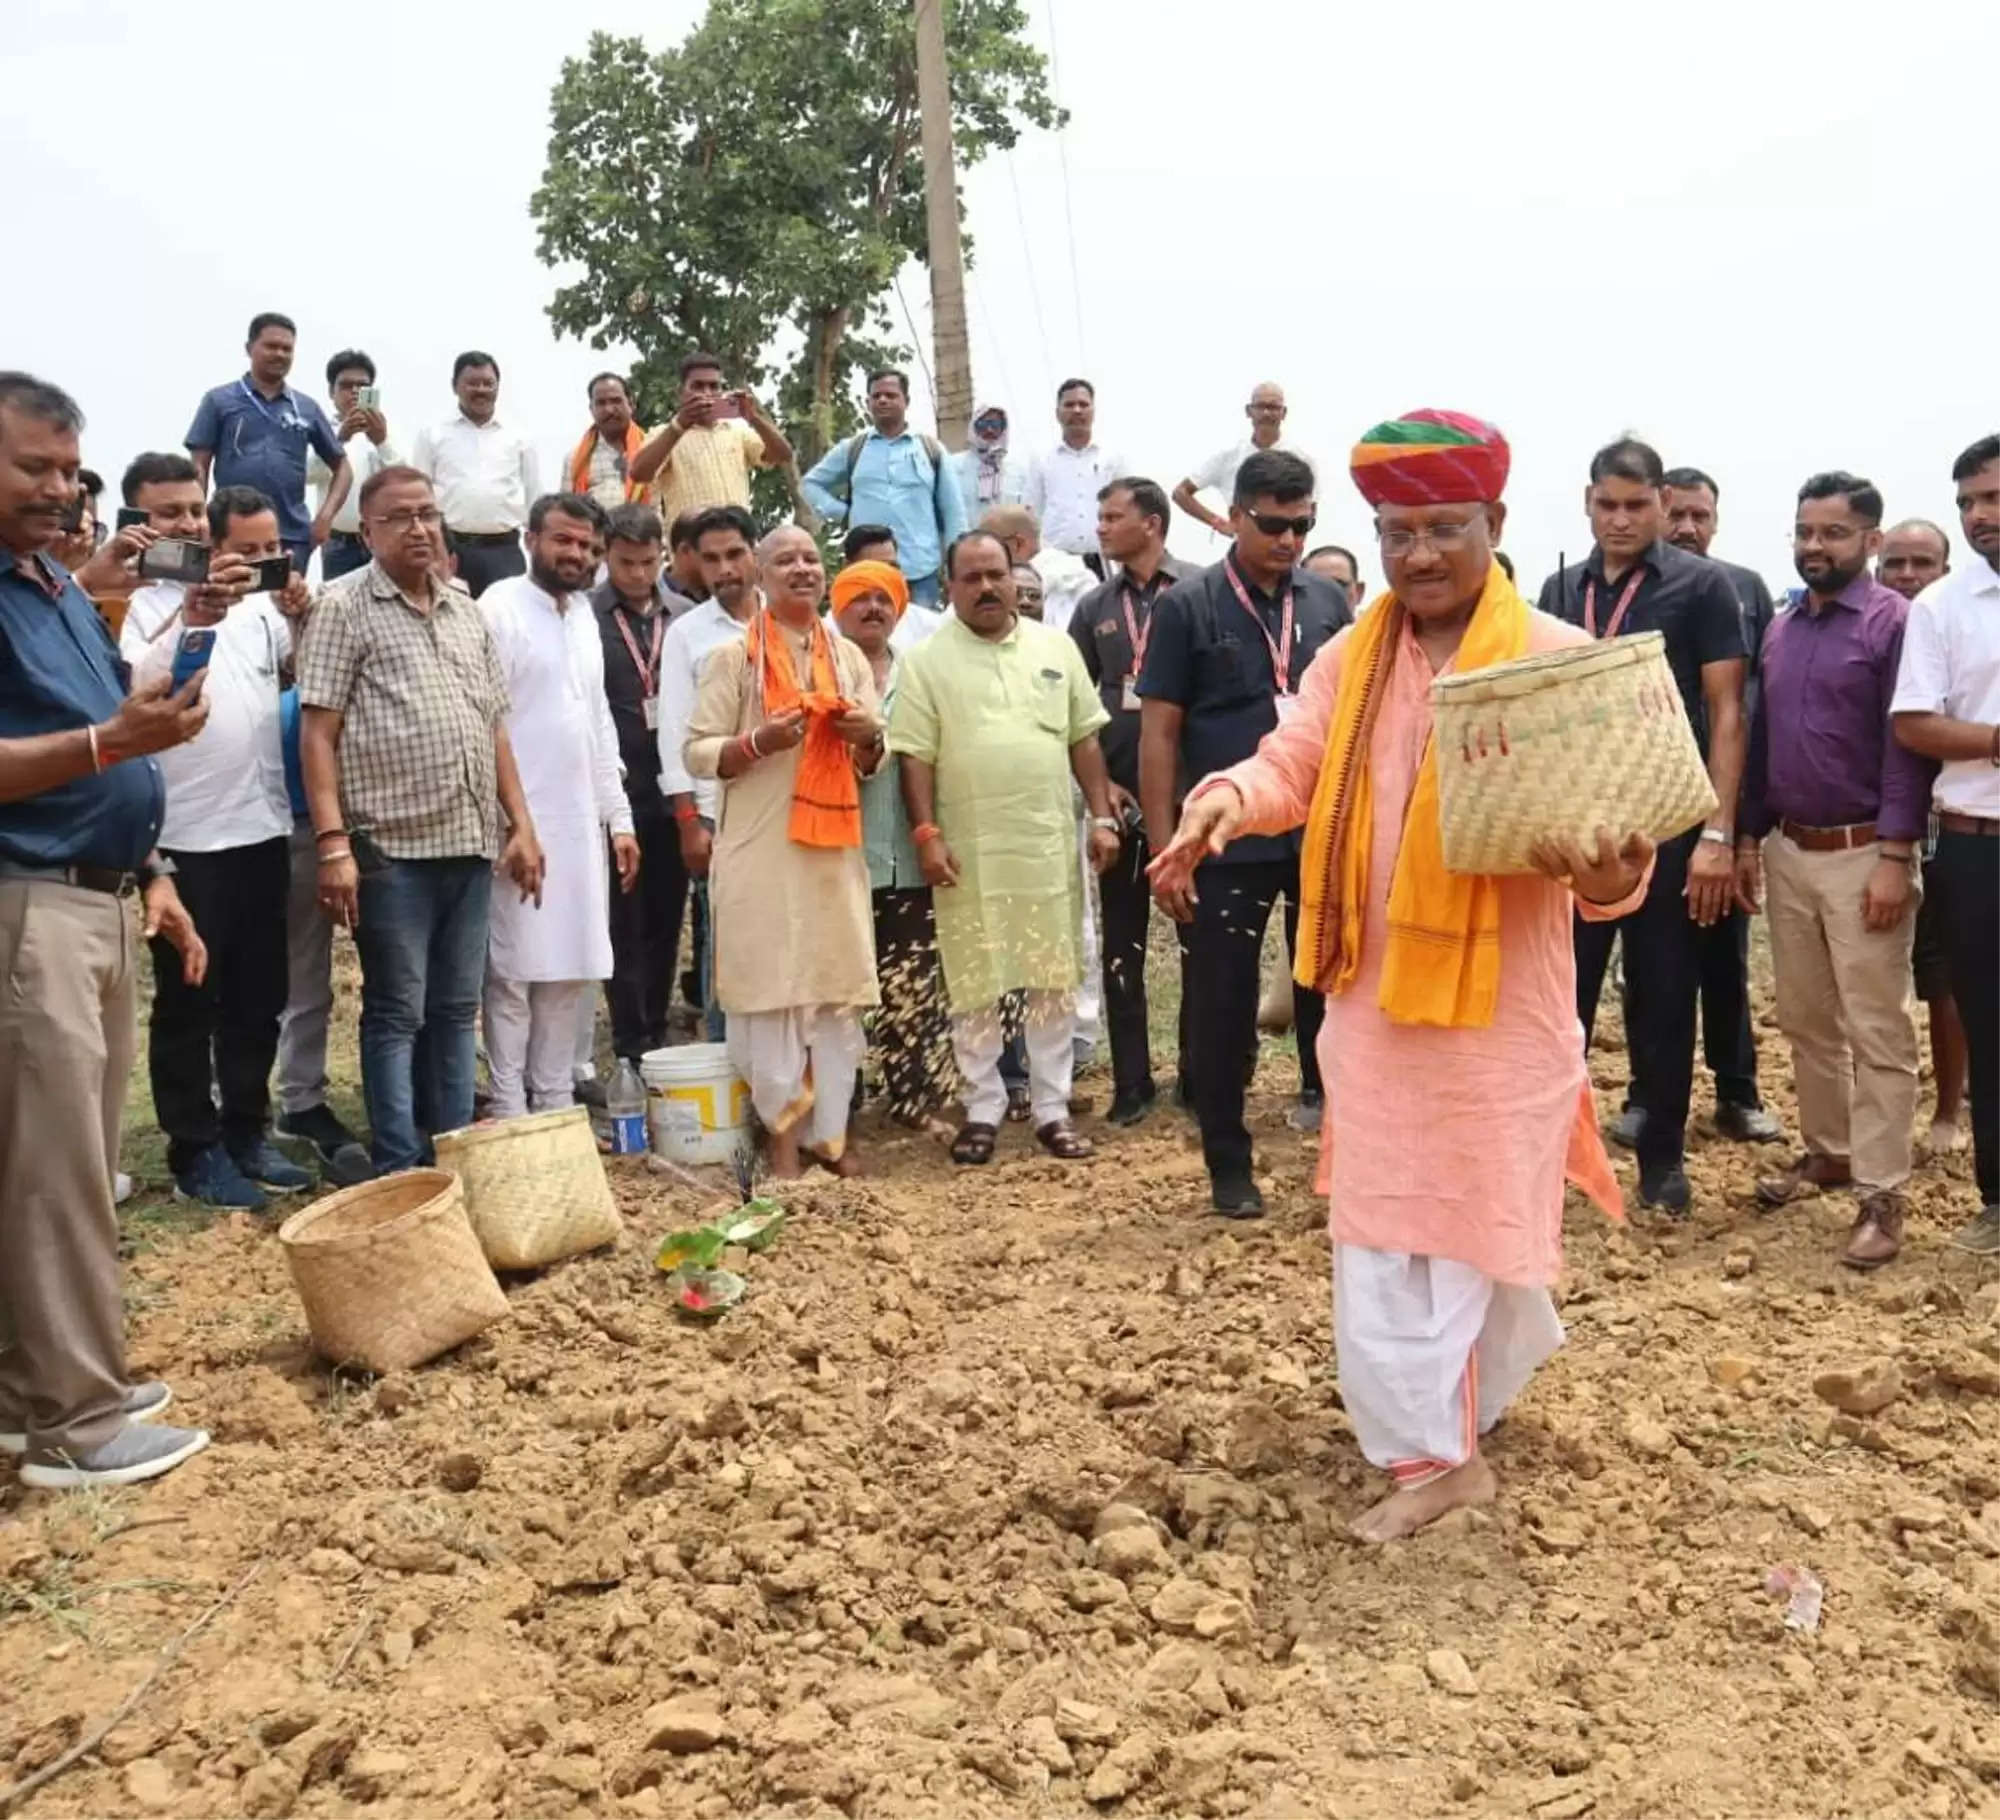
(801,1063)
(1090,989)
(583,1065)
(531,1042)
(1048,1033)
(1430,1354)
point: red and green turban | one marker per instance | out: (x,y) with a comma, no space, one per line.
(1430,458)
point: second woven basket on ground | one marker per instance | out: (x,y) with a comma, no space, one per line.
(1562,743)
(535,1188)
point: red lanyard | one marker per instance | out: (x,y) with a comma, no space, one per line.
(1281,646)
(1132,631)
(1618,613)
(648,667)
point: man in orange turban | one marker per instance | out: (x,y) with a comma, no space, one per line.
(1456,1096)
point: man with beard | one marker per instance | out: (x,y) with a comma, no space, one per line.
(1838,808)
(785,718)
(1635,581)
(994,716)
(545,956)
(1916,553)
(1688,500)
(1947,708)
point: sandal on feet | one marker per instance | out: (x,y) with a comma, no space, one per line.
(1060,1138)
(1019,1106)
(974,1143)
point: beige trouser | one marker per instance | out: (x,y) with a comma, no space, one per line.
(1844,1006)
(68,1028)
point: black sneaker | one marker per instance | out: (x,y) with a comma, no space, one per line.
(1238,1199)
(1129,1107)
(213,1180)
(1309,1114)
(1626,1128)
(1666,1189)
(341,1156)
(262,1162)
(1748,1125)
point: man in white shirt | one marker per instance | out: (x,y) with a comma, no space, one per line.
(1266,411)
(364,433)
(545,956)
(484,474)
(726,539)
(228,832)
(1064,482)
(1947,707)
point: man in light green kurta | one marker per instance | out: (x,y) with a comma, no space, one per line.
(994,714)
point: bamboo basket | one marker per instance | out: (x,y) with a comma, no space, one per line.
(390,1273)
(1564,743)
(535,1189)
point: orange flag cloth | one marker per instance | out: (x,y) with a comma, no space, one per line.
(826,800)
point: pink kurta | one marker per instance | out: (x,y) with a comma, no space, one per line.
(1438,1143)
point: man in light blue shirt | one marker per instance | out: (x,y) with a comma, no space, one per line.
(893,476)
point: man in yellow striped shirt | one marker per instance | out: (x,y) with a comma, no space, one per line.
(704,454)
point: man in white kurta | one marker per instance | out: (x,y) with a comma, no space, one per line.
(545,956)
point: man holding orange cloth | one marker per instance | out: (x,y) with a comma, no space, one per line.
(1457,1100)
(786,718)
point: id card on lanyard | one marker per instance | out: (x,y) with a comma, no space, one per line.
(647,666)
(1279,647)
(1137,637)
(1624,606)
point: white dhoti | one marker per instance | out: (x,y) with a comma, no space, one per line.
(1090,989)
(801,1063)
(1048,1032)
(1430,1354)
(531,1042)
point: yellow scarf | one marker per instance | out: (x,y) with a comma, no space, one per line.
(1442,966)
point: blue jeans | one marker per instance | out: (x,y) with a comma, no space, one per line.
(341,554)
(422,941)
(924,589)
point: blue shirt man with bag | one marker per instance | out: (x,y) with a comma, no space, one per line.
(893,476)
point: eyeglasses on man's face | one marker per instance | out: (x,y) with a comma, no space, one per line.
(427,516)
(1446,539)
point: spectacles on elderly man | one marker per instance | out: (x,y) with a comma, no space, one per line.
(1444,538)
(427,516)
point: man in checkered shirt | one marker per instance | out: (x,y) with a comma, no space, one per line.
(409,778)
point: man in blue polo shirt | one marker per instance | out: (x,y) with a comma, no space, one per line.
(80,806)
(255,432)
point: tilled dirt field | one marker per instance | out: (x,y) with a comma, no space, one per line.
(1023,1491)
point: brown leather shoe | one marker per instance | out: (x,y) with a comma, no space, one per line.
(1878,1232)
(1809,1175)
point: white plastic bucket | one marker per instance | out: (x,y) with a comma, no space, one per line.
(697,1110)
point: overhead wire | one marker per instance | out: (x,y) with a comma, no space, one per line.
(1028,259)
(1069,212)
(916,340)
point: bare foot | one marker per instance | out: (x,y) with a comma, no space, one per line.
(1403,1513)
(846,1164)
(1946,1139)
(783,1157)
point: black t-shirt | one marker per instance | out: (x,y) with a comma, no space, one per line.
(1101,634)
(1685,598)
(1204,654)
(638,744)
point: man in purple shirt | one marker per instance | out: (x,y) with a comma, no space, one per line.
(1840,810)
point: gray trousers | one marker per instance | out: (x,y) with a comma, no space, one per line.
(309,997)
(68,1032)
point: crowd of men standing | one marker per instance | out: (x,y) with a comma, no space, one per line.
(515,737)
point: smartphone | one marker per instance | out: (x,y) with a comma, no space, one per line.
(368,398)
(174,559)
(274,574)
(191,655)
(128,516)
(72,518)
(728,405)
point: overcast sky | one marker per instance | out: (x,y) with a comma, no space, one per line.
(1761,236)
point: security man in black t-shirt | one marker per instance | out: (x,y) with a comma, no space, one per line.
(1225,654)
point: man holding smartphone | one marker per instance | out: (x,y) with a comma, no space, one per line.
(227,830)
(364,433)
(703,456)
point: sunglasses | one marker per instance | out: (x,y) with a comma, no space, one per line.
(1276,524)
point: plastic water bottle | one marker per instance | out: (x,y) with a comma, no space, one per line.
(626,1104)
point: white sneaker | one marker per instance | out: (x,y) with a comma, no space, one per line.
(143,1403)
(135,1453)
(121,1188)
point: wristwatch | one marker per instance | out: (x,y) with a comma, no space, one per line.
(1109,823)
(1719,837)
(149,869)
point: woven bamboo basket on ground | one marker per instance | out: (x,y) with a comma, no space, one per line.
(534,1188)
(1562,744)
(390,1273)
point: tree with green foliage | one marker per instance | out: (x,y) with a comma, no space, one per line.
(755,190)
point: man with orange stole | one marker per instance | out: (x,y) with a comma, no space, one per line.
(1457,1099)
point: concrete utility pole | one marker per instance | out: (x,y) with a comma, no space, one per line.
(948,333)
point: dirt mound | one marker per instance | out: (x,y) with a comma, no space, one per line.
(1023,1490)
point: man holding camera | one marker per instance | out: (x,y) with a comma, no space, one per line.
(80,804)
(703,455)
(228,831)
